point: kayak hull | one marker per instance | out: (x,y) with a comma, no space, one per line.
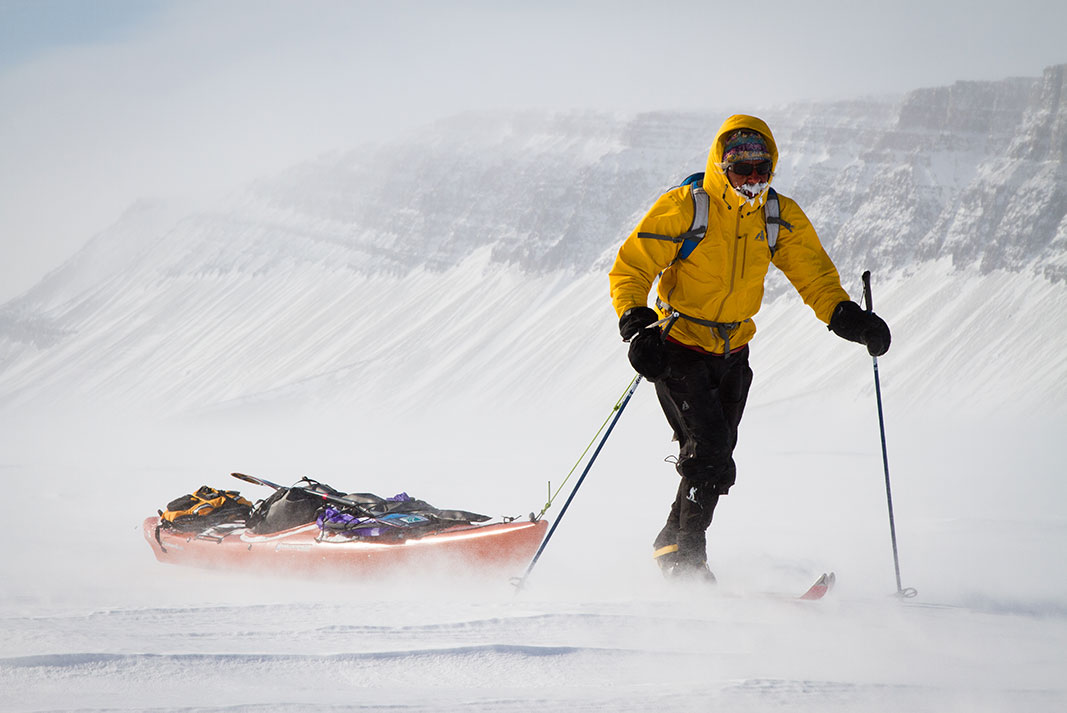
(497,547)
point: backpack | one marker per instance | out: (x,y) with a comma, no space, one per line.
(699,228)
(289,507)
(204,509)
(395,518)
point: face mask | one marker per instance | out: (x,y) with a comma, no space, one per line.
(751,192)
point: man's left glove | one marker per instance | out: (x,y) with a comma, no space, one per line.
(648,354)
(850,321)
(634,320)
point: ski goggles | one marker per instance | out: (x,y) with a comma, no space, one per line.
(760,168)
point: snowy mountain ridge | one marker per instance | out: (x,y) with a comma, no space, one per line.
(475,254)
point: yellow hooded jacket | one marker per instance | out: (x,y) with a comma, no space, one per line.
(722,279)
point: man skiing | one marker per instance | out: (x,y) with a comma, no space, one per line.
(694,345)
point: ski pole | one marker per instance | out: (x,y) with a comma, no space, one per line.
(901,591)
(618,409)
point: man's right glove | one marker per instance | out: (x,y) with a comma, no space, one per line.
(850,321)
(647,354)
(634,320)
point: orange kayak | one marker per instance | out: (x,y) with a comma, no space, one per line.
(501,547)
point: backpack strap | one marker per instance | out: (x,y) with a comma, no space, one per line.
(723,329)
(772,216)
(692,237)
(699,227)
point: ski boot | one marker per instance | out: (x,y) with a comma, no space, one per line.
(692,572)
(676,568)
(666,558)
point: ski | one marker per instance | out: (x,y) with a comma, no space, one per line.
(821,587)
(815,592)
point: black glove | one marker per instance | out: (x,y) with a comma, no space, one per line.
(849,321)
(634,320)
(648,355)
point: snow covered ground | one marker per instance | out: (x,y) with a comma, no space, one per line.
(96,624)
(309,649)
(91,622)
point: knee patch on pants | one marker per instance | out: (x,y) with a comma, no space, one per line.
(717,476)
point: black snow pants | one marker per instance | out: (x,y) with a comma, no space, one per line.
(703,396)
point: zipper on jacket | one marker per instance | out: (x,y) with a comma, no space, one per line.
(744,254)
(733,268)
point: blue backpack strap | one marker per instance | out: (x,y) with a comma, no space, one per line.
(699,227)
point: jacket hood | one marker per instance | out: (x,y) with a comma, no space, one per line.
(714,176)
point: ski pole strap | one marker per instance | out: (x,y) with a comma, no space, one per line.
(868,303)
(722,329)
(666,323)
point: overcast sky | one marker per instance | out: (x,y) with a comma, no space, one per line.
(103,102)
